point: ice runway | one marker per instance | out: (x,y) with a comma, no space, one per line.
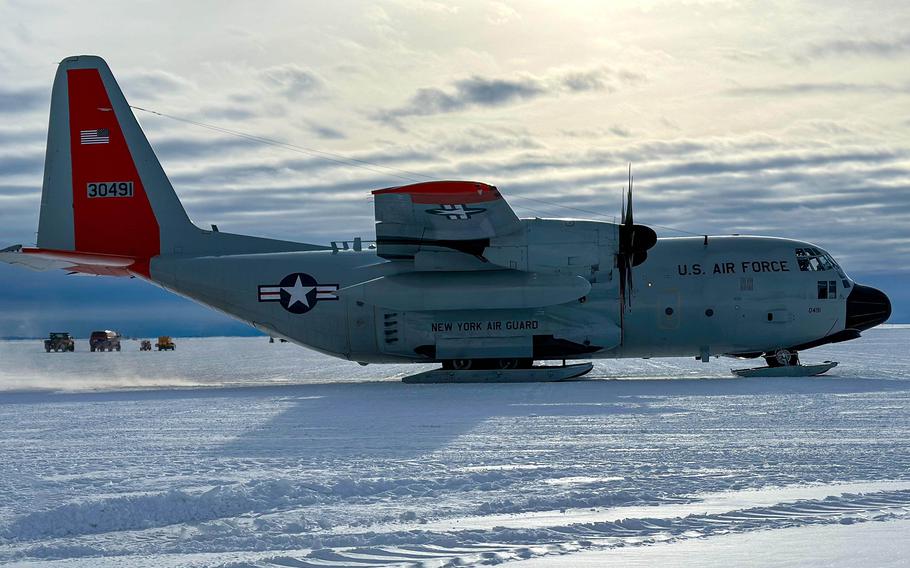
(235,452)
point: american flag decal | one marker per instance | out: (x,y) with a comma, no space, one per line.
(96,136)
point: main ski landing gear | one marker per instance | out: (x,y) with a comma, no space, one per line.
(785,363)
(498,371)
(486,364)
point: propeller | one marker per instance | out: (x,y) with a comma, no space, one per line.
(634,242)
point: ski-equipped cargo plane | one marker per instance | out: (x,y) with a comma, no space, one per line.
(454,277)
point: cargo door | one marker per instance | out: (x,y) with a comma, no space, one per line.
(361,328)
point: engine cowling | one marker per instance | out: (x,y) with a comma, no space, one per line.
(559,246)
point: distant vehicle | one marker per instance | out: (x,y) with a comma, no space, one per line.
(106,340)
(165,343)
(145,345)
(59,341)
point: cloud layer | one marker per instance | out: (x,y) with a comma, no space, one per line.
(477,92)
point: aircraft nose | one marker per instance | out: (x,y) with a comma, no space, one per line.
(867,307)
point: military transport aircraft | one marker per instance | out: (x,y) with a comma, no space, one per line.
(454,276)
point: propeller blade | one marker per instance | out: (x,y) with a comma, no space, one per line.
(634,243)
(628,220)
(622,202)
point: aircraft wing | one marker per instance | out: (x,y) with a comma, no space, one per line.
(454,215)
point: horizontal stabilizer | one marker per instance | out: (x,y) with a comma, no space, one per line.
(72,261)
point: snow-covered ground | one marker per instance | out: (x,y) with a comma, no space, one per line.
(237,452)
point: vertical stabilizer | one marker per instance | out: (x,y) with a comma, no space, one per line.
(104,190)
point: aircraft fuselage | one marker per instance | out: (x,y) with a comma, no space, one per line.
(692,297)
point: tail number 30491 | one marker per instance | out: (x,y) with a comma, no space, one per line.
(110,189)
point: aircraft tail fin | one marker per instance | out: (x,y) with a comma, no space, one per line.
(106,200)
(104,190)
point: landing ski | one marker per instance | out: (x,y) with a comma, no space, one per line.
(787,371)
(532,375)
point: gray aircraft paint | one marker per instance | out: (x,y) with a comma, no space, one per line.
(55,221)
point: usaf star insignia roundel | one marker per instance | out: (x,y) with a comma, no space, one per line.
(298,293)
(456,212)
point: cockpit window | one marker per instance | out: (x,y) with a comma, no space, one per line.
(811,259)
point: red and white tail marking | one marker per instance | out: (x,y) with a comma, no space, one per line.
(112,214)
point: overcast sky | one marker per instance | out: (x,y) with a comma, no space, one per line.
(789,119)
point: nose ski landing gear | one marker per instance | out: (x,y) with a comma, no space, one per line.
(782,358)
(519,372)
(785,363)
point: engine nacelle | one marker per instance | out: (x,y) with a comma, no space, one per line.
(562,246)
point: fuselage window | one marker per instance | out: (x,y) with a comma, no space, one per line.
(827,289)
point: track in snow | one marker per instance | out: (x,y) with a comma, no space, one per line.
(375,472)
